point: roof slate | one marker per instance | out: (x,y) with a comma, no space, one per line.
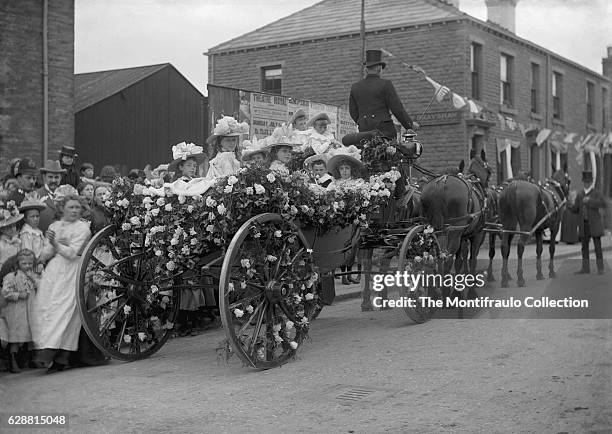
(91,88)
(340,17)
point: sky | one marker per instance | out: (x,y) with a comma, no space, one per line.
(111,34)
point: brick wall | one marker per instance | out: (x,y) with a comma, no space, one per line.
(21,78)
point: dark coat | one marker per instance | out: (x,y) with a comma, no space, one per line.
(71,177)
(370,102)
(48,215)
(591,210)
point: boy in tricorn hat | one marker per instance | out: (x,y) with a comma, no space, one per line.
(67,157)
(587,205)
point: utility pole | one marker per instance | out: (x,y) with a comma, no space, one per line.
(363,42)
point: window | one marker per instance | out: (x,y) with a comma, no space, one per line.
(557,94)
(535,85)
(604,108)
(476,67)
(590,100)
(505,75)
(271,78)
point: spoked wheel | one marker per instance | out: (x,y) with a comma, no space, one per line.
(267,291)
(127,306)
(419,254)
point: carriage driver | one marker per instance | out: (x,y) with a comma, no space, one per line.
(372,98)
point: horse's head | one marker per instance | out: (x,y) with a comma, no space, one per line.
(562,177)
(481,170)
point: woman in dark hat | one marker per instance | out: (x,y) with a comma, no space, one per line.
(67,157)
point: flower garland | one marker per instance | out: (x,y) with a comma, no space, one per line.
(380,154)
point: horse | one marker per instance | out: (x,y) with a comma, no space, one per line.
(459,202)
(534,207)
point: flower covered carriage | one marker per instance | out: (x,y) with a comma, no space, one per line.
(261,238)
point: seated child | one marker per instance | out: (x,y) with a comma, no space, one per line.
(281,144)
(319,139)
(317,166)
(187,157)
(254,152)
(17,288)
(224,143)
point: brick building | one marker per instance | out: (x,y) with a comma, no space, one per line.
(520,88)
(36,78)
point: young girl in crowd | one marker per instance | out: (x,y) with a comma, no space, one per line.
(17,289)
(281,144)
(347,169)
(187,159)
(55,321)
(254,152)
(32,238)
(224,143)
(10,244)
(319,139)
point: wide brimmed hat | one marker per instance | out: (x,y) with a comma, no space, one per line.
(373,58)
(587,176)
(68,151)
(184,151)
(32,201)
(86,166)
(350,155)
(52,166)
(318,117)
(9,214)
(252,147)
(314,158)
(299,113)
(25,166)
(227,126)
(282,136)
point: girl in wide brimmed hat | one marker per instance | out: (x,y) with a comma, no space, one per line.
(187,158)
(281,144)
(224,143)
(10,243)
(345,164)
(254,152)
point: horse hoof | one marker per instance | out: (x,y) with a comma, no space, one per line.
(540,277)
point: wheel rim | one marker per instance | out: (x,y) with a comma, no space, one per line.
(266,303)
(429,264)
(127,310)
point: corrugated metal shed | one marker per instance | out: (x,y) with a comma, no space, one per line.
(340,17)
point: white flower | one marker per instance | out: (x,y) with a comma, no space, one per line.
(228,189)
(232,180)
(190,208)
(245,263)
(276,328)
(304,320)
(108,203)
(181,199)
(174,241)
(154,318)
(170,265)
(309,296)
(127,309)
(239,313)
(210,228)
(168,207)
(126,226)
(193,241)
(289,325)
(271,258)
(160,201)
(293,345)
(147,206)
(417,259)
(147,218)
(185,250)
(278,233)
(249,190)
(249,309)
(147,200)
(305,208)
(309,251)
(210,202)
(428,230)
(127,339)
(298,298)
(155,212)
(154,289)
(270,177)
(243,285)
(259,189)
(142,336)
(192,231)
(277,337)
(221,209)
(158,252)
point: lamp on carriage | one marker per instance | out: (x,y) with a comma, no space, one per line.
(410,147)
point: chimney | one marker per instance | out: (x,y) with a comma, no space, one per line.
(606,64)
(502,13)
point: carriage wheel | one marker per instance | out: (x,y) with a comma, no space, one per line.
(127,307)
(419,253)
(267,291)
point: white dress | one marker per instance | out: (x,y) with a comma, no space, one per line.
(55,320)
(320,143)
(224,164)
(32,239)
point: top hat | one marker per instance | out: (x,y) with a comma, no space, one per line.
(52,166)
(373,58)
(587,176)
(25,166)
(68,151)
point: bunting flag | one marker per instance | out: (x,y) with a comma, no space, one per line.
(569,138)
(458,101)
(474,108)
(441,91)
(507,145)
(542,136)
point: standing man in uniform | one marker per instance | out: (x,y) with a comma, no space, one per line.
(373,99)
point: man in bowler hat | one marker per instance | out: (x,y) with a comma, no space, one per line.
(587,205)
(373,99)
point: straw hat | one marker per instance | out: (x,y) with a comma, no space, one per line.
(314,158)
(350,155)
(253,147)
(299,113)
(318,117)
(282,136)
(227,126)
(32,201)
(9,214)
(184,151)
